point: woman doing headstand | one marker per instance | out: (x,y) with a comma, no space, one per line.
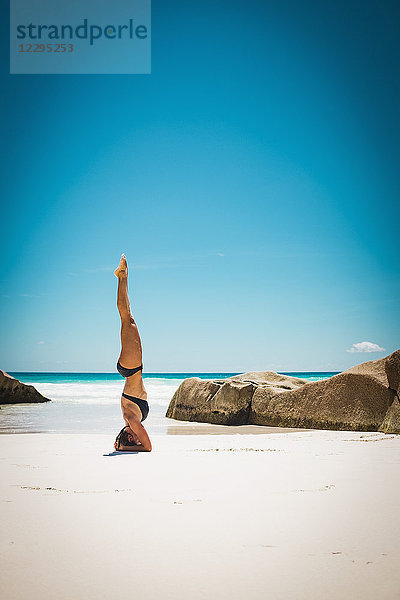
(133,437)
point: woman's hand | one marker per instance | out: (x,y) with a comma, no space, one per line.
(132,437)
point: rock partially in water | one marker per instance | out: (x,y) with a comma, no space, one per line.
(224,401)
(13,391)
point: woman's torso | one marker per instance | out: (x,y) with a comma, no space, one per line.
(134,386)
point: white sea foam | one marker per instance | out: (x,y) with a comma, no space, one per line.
(89,406)
(159,391)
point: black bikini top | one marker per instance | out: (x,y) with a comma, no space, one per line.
(128,372)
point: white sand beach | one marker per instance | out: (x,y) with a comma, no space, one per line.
(299,515)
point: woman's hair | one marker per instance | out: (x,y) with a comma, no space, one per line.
(122,438)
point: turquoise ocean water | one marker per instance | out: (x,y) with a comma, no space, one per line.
(90,402)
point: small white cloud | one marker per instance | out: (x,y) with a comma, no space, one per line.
(365,347)
(40,342)
(220,254)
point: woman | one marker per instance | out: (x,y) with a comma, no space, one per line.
(133,437)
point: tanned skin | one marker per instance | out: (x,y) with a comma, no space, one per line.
(130,357)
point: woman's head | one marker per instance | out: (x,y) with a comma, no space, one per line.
(125,438)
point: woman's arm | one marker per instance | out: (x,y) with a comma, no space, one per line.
(130,448)
(139,430)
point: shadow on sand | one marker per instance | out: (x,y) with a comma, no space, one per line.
(126,453)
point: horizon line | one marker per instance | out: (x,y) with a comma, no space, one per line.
(170,372)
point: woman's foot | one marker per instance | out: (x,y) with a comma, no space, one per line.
(122,269)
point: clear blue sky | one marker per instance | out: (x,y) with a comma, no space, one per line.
(252,181)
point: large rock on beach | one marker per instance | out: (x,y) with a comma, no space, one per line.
(363,398)
(224,401)
(13,391)
(357,399)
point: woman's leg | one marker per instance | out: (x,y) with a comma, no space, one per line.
(131,347)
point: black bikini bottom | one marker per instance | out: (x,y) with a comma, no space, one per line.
(142,404)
